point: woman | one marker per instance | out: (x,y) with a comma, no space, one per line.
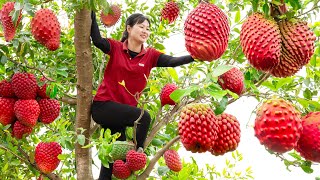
(114,105)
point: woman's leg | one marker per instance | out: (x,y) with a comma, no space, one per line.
(117,117)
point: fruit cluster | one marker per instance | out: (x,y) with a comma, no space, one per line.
(134,161)
(201,130)
(45,26)
(280,128)
(281,47)
(46,156)
(23,103)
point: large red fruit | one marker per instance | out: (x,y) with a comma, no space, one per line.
(6,111)
(49,110)
(6,89)
(261,42)
(9,28)
(165,94)
(120,170)
(112,15)
(297,47)
(228,135)
(27,111)
(206,32)
(172,160)
(136,160)
(45,28)
(170,12)
(24,85)
(19,130)
(309,143)
(46,156)
(197,127)
(232,80)
(278,125)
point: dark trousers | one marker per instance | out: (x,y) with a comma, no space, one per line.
(117,117)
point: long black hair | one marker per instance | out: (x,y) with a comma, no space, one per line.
(133,19)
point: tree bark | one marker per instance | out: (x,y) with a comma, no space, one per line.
(84,64)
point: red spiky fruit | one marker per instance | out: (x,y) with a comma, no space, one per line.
(261,42)
(111,15)
(165,94)
(278,125)
(19,130)
(27,111)
(232,80)
(228,135)
(9,28)
(136,160)
(297,47)
(206,32)
(45,28)
(170,12)
(120,170)
(46,156)
(172,160)
(197,127)
(49,110)
(7,110)
(309,143)
(6,89)
(24,85)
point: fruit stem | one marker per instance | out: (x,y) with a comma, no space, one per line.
(204,1)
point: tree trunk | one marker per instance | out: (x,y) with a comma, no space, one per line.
(82,26)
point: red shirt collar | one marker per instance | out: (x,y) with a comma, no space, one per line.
(125,48)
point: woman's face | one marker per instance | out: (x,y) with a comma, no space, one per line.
(139,32)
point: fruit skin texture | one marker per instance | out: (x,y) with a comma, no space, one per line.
(228,135)
(46,156)
(120,149)
(206,32)
(112,16)
(49,110)
(309,143)
(278,125)
(261,42)
(165,94)
(45,28)
(232,80)
(170,12)
(120,170)
(7,110)
(136,160)
(24,85)
(19,130)
(197,127)
(172,160)
(297,47)
(27,111)
(9,28)
(6,89)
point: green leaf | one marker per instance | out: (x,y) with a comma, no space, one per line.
(222,106)
(307,94)
(4,59)
(307,169)
(220,70)
(163,170)
(173,73)
(157,142)
(284,81)
(178,94)
(81,139)
(237,18)
(265,8)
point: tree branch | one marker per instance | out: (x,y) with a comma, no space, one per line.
(312,9)
(156,157)
(68,100)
